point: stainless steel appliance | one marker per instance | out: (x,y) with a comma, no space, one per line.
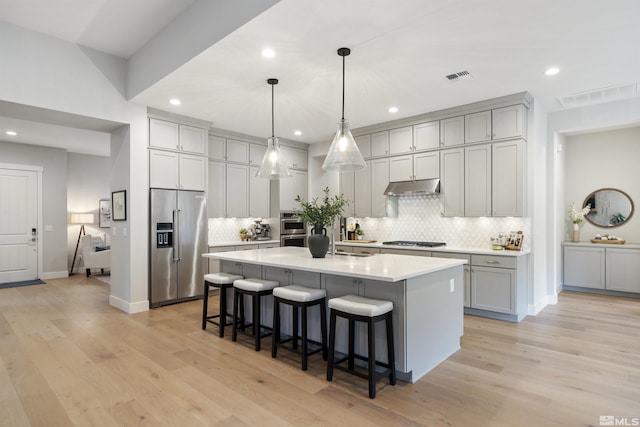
(178,238)
(293,231)
(412,243)
(261,231)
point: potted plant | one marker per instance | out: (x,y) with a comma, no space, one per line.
(359,233)
(320,215)
(243,234)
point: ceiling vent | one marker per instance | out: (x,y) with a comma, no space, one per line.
(456,77)
(598,96)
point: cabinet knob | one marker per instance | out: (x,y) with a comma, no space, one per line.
(493,262)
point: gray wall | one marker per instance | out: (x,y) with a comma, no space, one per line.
(54,199)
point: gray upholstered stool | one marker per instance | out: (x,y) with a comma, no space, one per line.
(300,297)
(222,281)
(360,309)
(256,288)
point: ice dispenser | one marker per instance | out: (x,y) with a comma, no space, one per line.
(164,235)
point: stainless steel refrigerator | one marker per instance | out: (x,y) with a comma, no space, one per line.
(178,238)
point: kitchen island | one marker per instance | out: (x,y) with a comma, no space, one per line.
(426,295)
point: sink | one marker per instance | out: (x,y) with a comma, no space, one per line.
(352,254)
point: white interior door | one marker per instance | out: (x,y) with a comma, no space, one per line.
(18,225)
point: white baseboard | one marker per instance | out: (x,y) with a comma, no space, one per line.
(128,307)
(534,309)
(54,275)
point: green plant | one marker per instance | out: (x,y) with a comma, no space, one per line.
(323,214)
(359,231)
(243,231)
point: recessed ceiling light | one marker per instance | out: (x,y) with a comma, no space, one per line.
(297,133)
(12,132)
(552,71)
(267,52)
(175,101)
(393,109)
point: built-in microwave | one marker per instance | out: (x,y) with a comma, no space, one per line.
(293,240)
(290,223)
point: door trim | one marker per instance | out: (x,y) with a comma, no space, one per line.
(38,170)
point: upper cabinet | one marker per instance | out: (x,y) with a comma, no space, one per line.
(237,151)
(426,136)
(296,158)
(380,144)
(499,123)
(401,140)
(364,145)
(452,131)
(177,137)
(216,147)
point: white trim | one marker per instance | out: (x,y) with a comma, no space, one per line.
(534,309)
(38,170)
(131,308)
(54,275)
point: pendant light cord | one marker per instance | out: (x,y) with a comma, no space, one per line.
(273,134)
(343,68)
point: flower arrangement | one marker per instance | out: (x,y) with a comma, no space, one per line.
(321,215)
(577,216)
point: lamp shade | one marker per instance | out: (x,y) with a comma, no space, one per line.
(82,218)
(273,164)
(343,155)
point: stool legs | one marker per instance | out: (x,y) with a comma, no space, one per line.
(332,344)
(205,305)
(256,321)
(390,353)
(372,359)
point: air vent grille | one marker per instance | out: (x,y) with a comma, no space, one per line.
(456,77)
(597,96)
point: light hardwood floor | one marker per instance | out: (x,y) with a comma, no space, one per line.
(69,359)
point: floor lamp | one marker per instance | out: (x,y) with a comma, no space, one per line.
(79,219)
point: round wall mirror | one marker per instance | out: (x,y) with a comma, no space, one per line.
(609,207)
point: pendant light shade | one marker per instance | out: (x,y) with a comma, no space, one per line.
(343,155)
(273,164)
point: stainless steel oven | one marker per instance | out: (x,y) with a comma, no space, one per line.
(290,223)
(293,240)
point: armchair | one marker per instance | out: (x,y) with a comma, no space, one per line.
(93,259)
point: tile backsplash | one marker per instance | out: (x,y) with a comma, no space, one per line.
(419,219)
(228,229)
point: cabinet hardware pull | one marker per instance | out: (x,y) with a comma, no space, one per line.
(493,262)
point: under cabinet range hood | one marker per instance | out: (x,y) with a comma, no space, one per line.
(419,186)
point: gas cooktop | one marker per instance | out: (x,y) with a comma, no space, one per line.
(411,243)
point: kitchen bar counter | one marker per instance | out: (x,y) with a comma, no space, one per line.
(427,296)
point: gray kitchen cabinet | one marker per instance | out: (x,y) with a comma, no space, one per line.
(401,140)
(365,250)
(452,131)
(216,190)
(237,151)
(426,136)
(477,127)
(452,182)
(217,147)
(364,145)
(237,191)
(288,277)
(379,183)
(292,187)
(477,180)
(256,154)
(174,136)
(623,270)
(509,122)
(404,252)
(295,157)
(380,144)
(348,190)
(499,284)
(584,267)
(362,198)
(507,178)
(259,195)
(414,166)
(168,169)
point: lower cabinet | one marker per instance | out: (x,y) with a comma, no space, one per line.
(467,272)
(499,284)
(599,268)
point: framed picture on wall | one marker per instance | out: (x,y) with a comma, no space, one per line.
(119,205)
(104,213)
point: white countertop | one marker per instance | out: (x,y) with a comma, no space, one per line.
(384,267)
(241,243)
(604,245)
(464,250)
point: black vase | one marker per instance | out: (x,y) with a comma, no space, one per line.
(318,242)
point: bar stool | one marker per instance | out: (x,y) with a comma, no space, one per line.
(256,288)
(299,298)
(360,309)
(222,281)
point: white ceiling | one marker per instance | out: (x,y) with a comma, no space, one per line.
(401,52)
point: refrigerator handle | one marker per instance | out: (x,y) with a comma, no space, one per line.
(176,233)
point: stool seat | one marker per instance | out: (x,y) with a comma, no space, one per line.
(256,289)
(255,285)
(222,281)
(361,306)
(299,293)
(222,278)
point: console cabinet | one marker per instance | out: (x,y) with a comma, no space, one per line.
(601,268)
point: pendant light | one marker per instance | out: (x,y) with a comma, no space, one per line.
(343,156)
(273,164)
